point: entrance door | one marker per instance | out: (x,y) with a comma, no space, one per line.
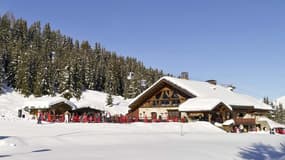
(173,115)
(153,115)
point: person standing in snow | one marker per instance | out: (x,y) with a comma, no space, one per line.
(39,117)
(108,117)
(66,117)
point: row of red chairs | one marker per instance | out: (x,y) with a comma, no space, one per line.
(183,120)
(98,119)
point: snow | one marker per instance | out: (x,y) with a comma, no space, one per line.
(46,101)
(97,100)
(229,122)
(207,90)
(200,104)
(11,101)
(281,100)
(24,139)
(271,123)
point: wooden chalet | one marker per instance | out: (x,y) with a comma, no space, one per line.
(159,102)
(51,108)
(173,99)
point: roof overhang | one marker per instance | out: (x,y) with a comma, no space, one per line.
(201,104)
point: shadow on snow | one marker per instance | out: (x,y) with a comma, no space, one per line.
(3,137)
(41,150)
(262,152)
(4,156)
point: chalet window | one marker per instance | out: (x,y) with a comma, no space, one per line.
(228,115)
(240,115)
(165,96)
(155,103)
(175,95)
(167,92)
(158,95)
(165,102)
(153,115)
(176,102)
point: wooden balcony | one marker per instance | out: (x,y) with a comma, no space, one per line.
(245,121)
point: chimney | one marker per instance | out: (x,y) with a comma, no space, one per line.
(184,75)
(214,82)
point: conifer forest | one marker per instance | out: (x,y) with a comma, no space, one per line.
(37,60)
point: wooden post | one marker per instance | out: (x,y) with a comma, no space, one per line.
(224,116)
(209,117)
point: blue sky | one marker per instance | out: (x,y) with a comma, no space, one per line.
(235,42)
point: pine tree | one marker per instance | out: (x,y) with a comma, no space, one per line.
(90,76)
(64,69)
(84,52)
(19,65)
(35,60)
(6,46)
(1,63)
(109,101)
(266,100)
(101,70)
(281,114)
(1,70)
(46,59)
(76,84)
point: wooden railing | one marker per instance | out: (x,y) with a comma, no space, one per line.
(244,120)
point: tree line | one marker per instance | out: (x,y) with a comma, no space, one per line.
(37,60)
(278,112)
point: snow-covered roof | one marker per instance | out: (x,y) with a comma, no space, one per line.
(200,104)
(281,100)
(118,108)
(97,100)
(47,101)
(229,122)
(206,90)
(271,123)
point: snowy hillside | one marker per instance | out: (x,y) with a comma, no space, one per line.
(11,101)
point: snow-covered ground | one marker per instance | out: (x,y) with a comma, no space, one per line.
(10,102)
(24,139)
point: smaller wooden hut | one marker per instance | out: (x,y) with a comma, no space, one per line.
(50,108)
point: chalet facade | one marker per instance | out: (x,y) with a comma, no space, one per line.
(175,99)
